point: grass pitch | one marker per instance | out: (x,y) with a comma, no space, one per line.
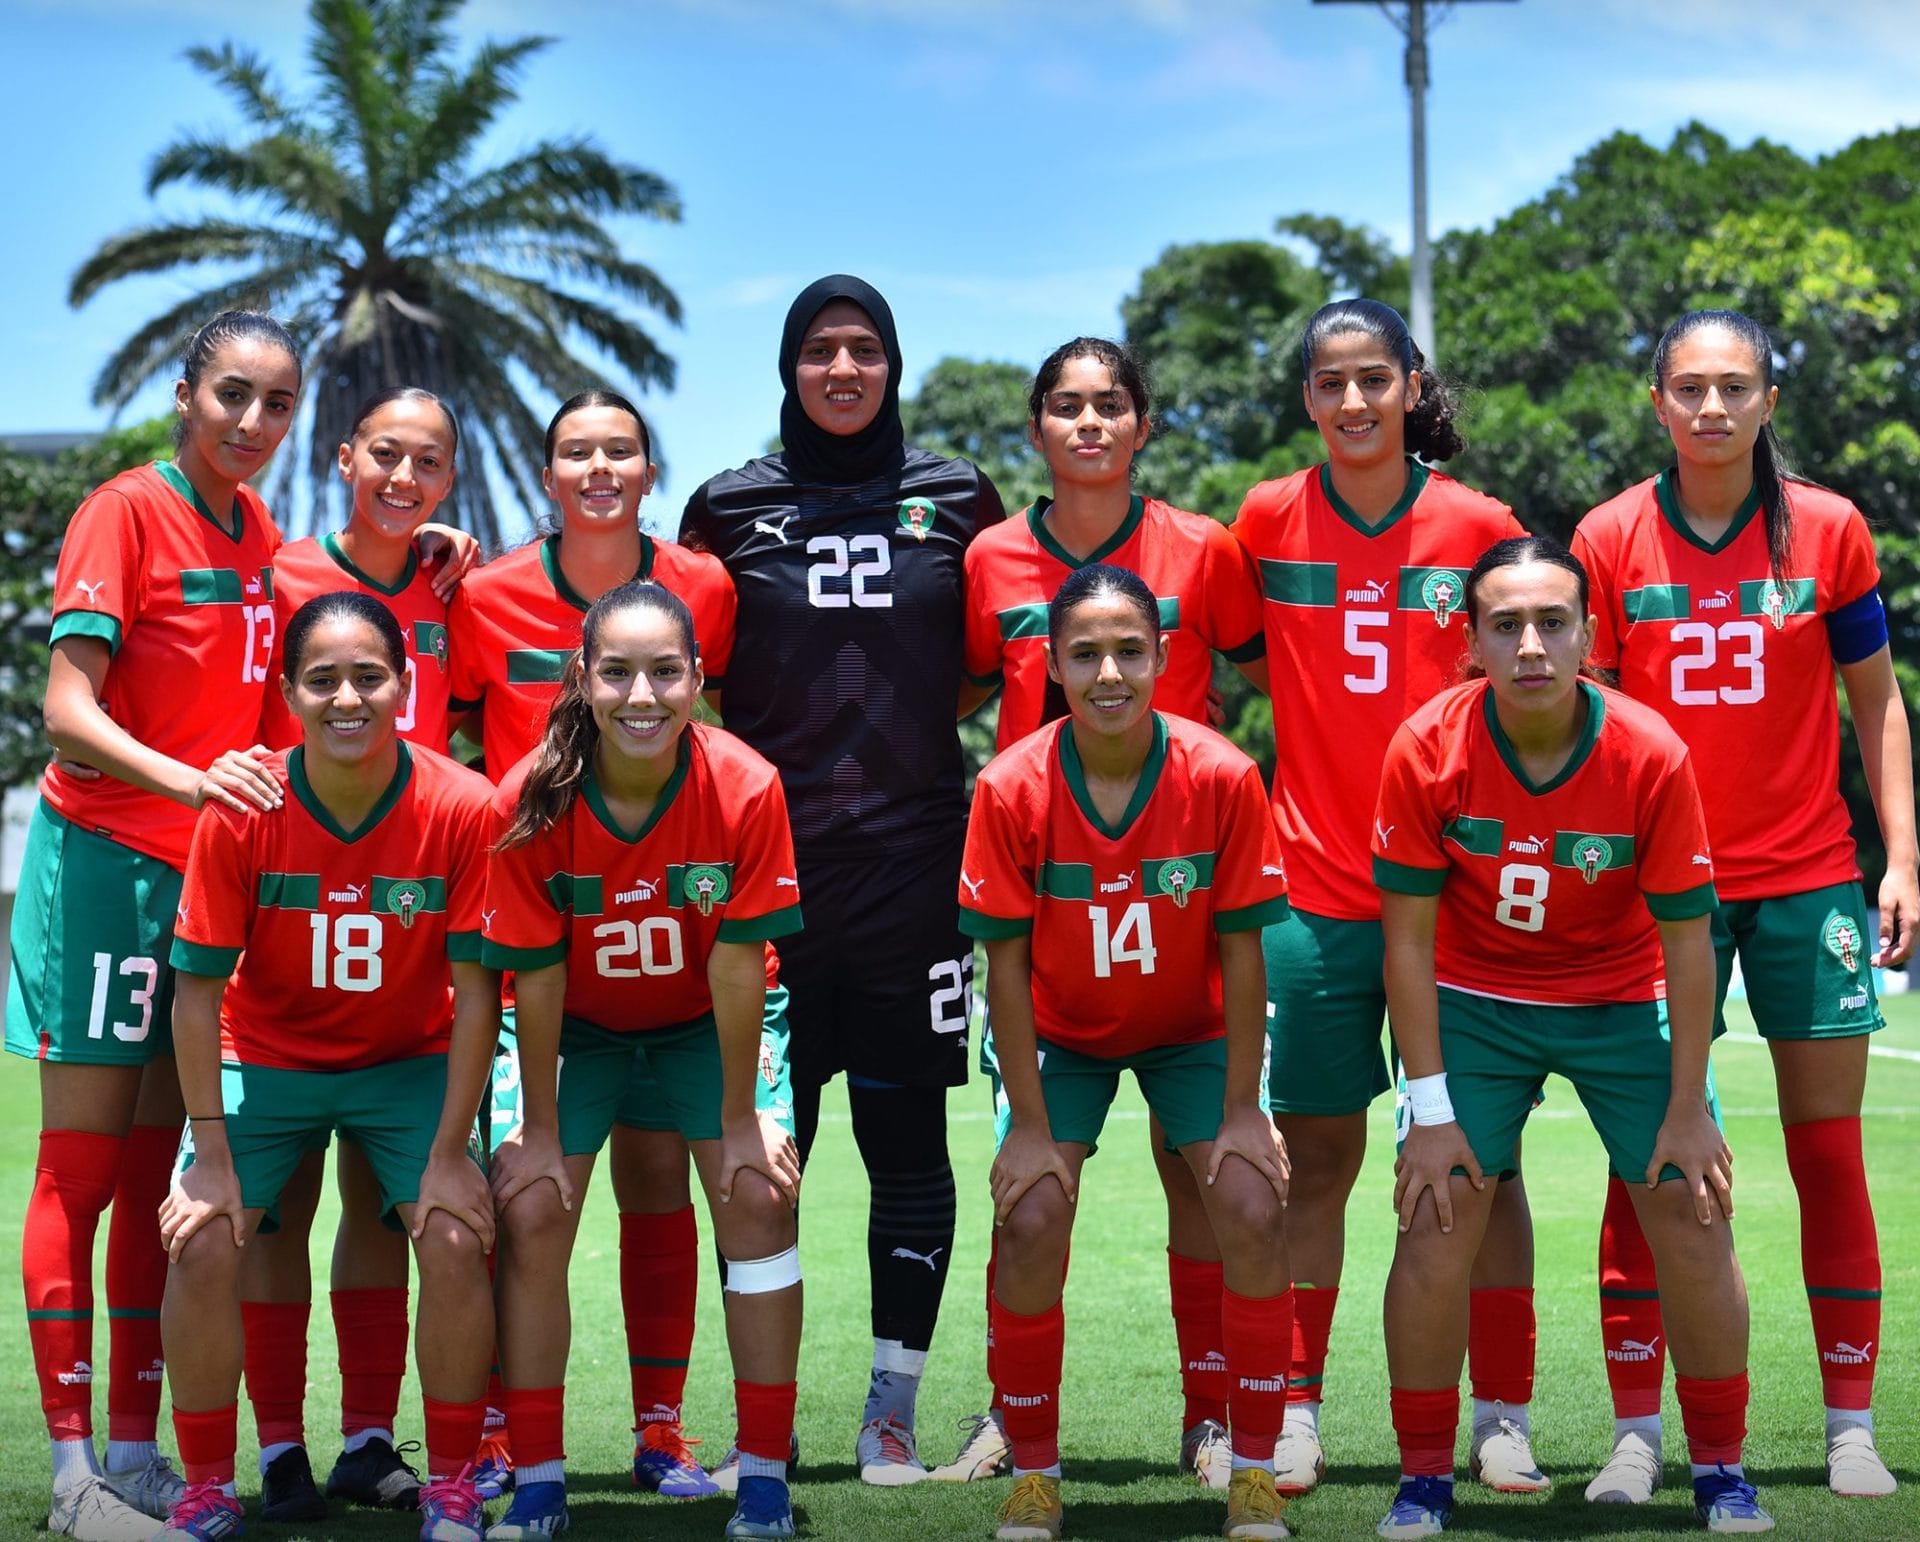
(1121,1402)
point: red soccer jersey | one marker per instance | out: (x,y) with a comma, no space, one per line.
(1124,921)
(515,622)
(1741,666)
(1209,598)
(1547,893)
(714,864)
(304,570)
(1364,624)
(342,939)
(184,599)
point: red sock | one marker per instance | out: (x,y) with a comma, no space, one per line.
(659,1285)
(764,1410)
(1030,1349)
(1425,1424)
(536,1419)
(72,1183)
(1630,1326)
(1714,1415)
(1196,1288)
(207,1442)
(276,1368)
(1312,1325)
(371,1329)
(1500,1335)
(453,1432)
(1258,1333)
(1839,1256)
(136,1280)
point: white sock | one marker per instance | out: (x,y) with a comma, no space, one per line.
(270,1454)
(72,1461)
(1646,1426)
(1240,1461)
(1733,1469)
(1045,1472)
(894,1388)
(1407,1477)
(541,1472)
(1839,1418)
(1303,1416)
(752,1466)
(1485,1414)
(130,1455)
(360,1438)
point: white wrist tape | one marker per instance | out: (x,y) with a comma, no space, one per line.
(1427,1097)
(758,1276)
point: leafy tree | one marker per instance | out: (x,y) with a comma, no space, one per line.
(979,411)
(37,497)
(366,222)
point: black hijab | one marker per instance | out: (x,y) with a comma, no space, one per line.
(813,454)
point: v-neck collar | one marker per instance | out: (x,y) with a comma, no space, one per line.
(1416,484)
(1596,711)
(310,800)
(1050,544)
(175,478)
(597,800)
(1666,492)
(1076,776)
(330,544)
(550,560)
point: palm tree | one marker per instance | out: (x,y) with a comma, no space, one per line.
(393,258)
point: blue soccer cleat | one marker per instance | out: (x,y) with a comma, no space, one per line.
(538,1510)
(1422,1508)
(1725,1502)
(765,1509)
(663,1461)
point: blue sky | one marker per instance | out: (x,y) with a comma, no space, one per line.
(1002,170)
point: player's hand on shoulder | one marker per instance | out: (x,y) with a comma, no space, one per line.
(449,554)
(1427,1159)
(453,1183)
(522,1159)
(1026,1156)
(239,779)
(1248,1133)
(1692,1142)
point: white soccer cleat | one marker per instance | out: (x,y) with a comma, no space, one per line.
(1207,1453)
(1854,1468)
(984,1451)
(152,1489)
(89,1510)
(1631,1474)
(1299,1461)
(1501,1457)
(886,1454)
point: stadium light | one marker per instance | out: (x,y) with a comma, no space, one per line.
(1411,17)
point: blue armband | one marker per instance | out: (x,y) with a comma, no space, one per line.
(1858,629)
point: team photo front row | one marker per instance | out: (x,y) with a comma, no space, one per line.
(1527,807)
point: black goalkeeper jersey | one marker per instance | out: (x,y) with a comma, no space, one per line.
(846,665)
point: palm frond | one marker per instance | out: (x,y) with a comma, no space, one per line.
(246,78)
(159,344)
(572,172)
(293,171)
(461,106)
(156,248)
(633,349)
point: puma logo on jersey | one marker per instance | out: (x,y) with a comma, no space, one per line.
(1124,881)
(1842,1353)
(1383,832)
(1531,845)
(973,884)
(91,591)
(920,1258)
(352,894)
(1268,870)
(80,1376)
(1701,859)
(639,892)
(778,532)
(1720,599)
(1373,592)
(253,586)
(1635,1351)
(786,883)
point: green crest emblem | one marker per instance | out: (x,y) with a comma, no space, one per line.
(406,900)
(1842,938)
(916,517)
(440,646)
(1593,854)
(706,886)
(1441,594)
(1178,879)
(1773,600)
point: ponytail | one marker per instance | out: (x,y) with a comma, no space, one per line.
(560,765)
(1431,432)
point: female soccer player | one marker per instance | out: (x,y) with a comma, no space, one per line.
(348,917)
(1119,867)
(398,464)
(163,569)
(1362,560)
(1727,593)
(846,550)
(512,629)
(645,861)
(1545,893)
(1088,417)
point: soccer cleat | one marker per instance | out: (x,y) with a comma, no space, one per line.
(493,1465)
(91,1511)
(1299,1462)
(1726,1503)
(663,1463)
(983,1453)
(205,1513)
(1501,1456)
(1032,1511)
(287,1490)
(1207,1453)
(538,1510)
(765,1509)
(1253,1508)
(375,1476)
(1631,1474)
(450,1510)
(886,1454)
(726,1477)
(1421,1508)
(153,1488)
(1854,1468)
